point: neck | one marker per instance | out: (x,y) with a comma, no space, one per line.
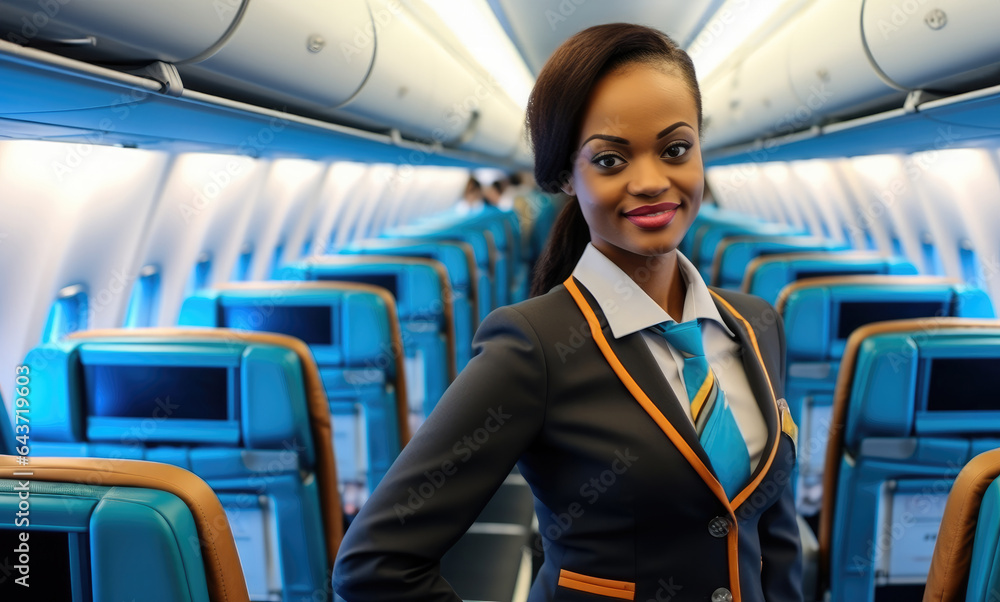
(658,276)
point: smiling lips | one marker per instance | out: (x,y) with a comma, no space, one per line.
(652,217)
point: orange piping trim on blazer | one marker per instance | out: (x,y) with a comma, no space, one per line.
(667,428)
(749,489)
(594,585)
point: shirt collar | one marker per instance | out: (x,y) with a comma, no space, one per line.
(628,308)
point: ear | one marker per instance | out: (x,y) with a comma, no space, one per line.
(567,187)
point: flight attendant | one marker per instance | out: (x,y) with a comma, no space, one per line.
(643,408)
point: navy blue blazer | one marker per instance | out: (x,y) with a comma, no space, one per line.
(627,501)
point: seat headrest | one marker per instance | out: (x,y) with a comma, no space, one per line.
(420,286)
(949,574)
(223,571)
(734,253)
(820,313)
(768,274)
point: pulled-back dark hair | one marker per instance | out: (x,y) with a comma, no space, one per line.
(555,113)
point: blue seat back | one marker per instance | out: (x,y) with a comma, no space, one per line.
(353,333)
(984,570)
(424,303)
(767,275)
(231,408)
(915,405)
(114,530)
(819,315)
(484,254)
(734,254)
(707,236)
(459,260)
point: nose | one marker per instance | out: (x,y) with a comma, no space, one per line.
(650,177)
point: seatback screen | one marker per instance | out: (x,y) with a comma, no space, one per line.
(50,566)
(855,314)
(963,385)
(826,273)
(312,324)
(168,392)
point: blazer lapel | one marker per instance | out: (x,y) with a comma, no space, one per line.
(756,376)
(634,354)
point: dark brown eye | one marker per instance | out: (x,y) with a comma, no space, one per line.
(675,151)
(608,161)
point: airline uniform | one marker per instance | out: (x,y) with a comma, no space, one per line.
(573,388)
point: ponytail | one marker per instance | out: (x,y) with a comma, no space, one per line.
(567,241)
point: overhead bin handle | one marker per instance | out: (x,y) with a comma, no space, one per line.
(164,73)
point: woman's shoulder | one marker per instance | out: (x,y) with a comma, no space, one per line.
(546,314)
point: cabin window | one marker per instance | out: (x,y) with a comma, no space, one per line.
(972,268)
(241,271)
(199,275)
(144,305)
(276,262)
(68,314)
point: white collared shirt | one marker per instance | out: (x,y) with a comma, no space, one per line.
(629,309)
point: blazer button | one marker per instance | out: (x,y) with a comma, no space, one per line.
(719,526)
(722,595)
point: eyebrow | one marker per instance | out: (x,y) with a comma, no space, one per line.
(625,142)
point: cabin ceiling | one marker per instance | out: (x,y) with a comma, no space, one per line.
(538,27)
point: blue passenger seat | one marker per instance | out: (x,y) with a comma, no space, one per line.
(424,302)
(734,254)
(819,315)
(100,529)
(768,274)
(915,402)
(705,236)
(485,255)
(353,333)
(966,561)
(244,411)
(460,262)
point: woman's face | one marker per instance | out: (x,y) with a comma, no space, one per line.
(638,173)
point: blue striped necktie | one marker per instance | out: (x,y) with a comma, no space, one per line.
(713,418)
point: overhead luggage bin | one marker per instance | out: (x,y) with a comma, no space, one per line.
(317,53)
(829,65)
(762,93)
(124,30)
(104,529)
(415,85)
(941,45)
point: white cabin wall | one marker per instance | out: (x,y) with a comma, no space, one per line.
(819,185)
(70,214)
(200,189)
(961,190)
(302,182)
(338,187)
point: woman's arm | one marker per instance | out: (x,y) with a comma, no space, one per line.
(449,471)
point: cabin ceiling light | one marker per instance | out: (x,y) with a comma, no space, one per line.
(475,25)
(732,25)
